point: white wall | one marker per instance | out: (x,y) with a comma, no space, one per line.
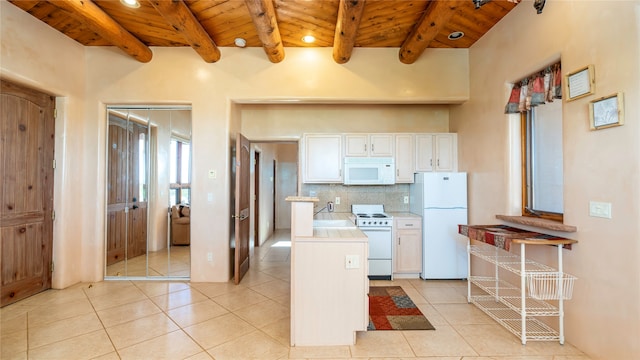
(286,183)
(31,55)
(603,318)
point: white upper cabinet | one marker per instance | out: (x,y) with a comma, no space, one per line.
(375,145)
(404,158)
(322,158)
(436,152)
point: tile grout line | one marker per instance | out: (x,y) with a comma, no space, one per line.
(101,323)
(180,328)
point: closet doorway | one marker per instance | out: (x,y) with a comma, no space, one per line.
(148,193)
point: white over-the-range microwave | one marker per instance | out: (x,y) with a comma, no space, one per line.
(369,171)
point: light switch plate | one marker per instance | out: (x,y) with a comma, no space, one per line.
(406,199)
(337,202)
(213,174)
(600,209)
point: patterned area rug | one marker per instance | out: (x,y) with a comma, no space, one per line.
(390,308)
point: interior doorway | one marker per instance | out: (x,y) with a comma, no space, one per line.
(148,188)
(275,177)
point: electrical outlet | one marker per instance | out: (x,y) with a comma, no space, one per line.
(337,202)
(600,209)
(209,256)
(406,199)
(352,262)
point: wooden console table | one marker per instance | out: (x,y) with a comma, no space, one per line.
(517,308)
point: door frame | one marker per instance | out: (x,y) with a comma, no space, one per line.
(257,180)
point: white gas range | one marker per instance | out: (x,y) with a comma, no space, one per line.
(378,226)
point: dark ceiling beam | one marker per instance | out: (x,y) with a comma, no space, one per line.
(182,20)
(435,17)
(264,19)
(101,23)
(349,17)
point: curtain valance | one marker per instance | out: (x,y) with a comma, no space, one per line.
(537,89)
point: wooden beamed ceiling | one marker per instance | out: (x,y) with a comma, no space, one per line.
(206,25)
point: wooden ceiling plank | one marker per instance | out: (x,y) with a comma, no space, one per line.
(437,14)
(100,22)
(206,10)
(349,17)
(263,15)
(25,5)
(178,15)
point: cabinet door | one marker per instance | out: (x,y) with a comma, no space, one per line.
(381,145)
(424,152)
(408,245)
(446,152)
(404,158)
(356,145)
(323,158)
(409,251)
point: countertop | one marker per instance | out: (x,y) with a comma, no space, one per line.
(403,214)
(348,235)
(336,234)
(324,215)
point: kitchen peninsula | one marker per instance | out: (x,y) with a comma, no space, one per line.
(329,283)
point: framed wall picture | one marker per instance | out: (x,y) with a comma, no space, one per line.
(607,111)
(580,83)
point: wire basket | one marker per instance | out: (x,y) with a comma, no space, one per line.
(550,285)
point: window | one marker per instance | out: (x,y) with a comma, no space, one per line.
(542,175)
(180,188)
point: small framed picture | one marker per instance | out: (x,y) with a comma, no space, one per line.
(580,83)
(607,111)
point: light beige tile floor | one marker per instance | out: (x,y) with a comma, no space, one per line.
(183,320)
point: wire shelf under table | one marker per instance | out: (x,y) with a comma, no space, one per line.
(511,297)
(512,320)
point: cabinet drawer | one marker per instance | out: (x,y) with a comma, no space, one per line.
(409,223)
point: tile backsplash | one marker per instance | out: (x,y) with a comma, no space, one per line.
(391,196)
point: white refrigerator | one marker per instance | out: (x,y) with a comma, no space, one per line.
(441,199)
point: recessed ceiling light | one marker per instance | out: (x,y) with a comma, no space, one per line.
(240,42)
(130,3)
(308,39)
(455,35)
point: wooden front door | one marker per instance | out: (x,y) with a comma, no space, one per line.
(126,191)
(243,198)
(26,214)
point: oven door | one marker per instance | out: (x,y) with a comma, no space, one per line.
(380,249)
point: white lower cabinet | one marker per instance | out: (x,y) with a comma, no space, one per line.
(408,245)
